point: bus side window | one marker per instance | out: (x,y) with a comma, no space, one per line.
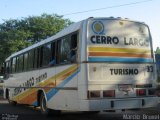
(26,61)
(2,70)
(53,54)
(20,63)
(73,51)
(7,67)
(30,59)
(13,65)
(46,55)
(65,50)
(39,56)
(36,61)
(58,48)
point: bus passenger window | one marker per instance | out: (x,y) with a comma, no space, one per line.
(26,61)
(19,64)
(46,55)
(73,51)
(58,46)
(7,67)
(36,55)
(52,60)
(13,65)
(2,70)
(65,50)
(40,55)
(30,59)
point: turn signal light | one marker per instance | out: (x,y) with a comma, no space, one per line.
(141,92)
(109,93)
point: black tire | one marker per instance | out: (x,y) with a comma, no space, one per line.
(43,105)
(10,101)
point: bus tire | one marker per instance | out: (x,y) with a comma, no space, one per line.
(10,101)
(43,105)
(44,109)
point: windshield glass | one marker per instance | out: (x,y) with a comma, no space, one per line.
(118,41)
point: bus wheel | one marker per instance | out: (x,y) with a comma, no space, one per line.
(43,105)
(10,101)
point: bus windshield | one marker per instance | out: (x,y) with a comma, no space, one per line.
(118,41)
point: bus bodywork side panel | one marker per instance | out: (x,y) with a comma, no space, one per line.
(59,85)
(65,95)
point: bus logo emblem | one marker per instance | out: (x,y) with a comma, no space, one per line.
(98,27)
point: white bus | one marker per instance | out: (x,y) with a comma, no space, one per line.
(92,65)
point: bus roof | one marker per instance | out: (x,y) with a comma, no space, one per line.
(72,28)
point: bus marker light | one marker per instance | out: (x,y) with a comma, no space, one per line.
(141,92)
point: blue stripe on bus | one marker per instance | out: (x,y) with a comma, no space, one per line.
(35,103)
(103,59)
(53,91)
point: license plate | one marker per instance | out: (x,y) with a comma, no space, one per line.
(125,87)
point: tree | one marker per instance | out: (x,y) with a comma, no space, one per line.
(17,34)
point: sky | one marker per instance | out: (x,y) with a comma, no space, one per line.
(146,11)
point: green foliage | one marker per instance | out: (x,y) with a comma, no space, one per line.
(157,50)
(17,34)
